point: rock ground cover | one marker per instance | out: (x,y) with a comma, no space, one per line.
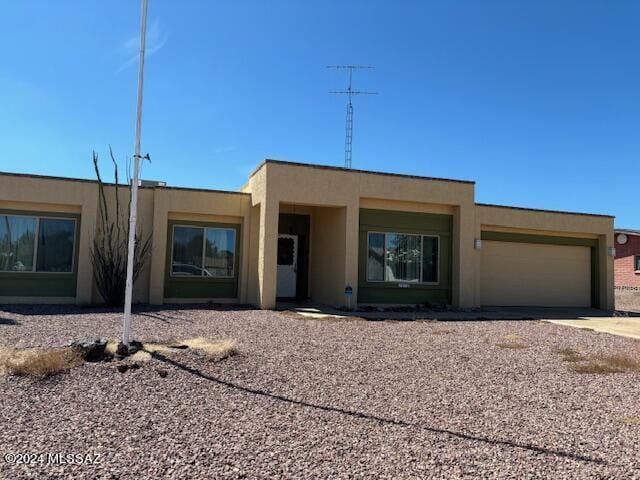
(628,300)
(318,399)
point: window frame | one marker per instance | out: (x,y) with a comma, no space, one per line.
(636,263)
(204,248)
(36,241)
(384,256)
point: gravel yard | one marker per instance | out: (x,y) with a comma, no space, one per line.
(323,399)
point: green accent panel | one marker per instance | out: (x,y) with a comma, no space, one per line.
(545,239)
(406,222)
(553,240)
(201,287)
(296,224)
(37,284)
(42,284)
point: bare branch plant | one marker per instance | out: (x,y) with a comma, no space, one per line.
(109,250)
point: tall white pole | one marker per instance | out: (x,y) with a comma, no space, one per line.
(126,327)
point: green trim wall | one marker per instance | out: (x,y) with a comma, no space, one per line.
(405,222)
(592,243)
(42,284)
(201,287)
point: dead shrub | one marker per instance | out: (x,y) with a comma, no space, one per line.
(512,345)
(630,420)
(329,318)
(140,356)
(109,248)
(442,331)
(158,347)
(217,350)
(41,362)
(512,342)
(603,364)
(570,355)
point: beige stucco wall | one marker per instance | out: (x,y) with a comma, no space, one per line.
(275,183)
(206,206)
(333,199)
(328,255)
(280,185)
(155,207)
(47,195)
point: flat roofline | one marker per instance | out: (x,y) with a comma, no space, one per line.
(111,184)
(562,212)
(628,231)
(355,170)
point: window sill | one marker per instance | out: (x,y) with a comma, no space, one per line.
(410,285)
(194,279)
(36,274)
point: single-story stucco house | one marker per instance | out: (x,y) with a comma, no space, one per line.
(309,231)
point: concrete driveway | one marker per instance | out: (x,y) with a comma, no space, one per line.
(586,318)
(623,326)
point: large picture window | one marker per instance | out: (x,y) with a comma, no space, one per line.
(203,252)
(36,244)
(393,257)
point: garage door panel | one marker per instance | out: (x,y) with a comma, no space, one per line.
(528,274)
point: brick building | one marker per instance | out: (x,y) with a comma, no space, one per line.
(627,261)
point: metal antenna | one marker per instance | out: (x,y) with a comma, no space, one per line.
(350,92)
(128,293)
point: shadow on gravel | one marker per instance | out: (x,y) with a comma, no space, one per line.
(8,321)
(163,317)
(400,423)
(139,309)
(198,373)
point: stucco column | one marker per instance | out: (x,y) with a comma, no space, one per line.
(352,231)
(267,253)
(606,269)
(465,258)
(158,248)
(243,284)
(89,217)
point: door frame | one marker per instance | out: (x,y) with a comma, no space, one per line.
(300,225)
(294,266)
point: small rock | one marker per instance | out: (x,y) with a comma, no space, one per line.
(134,366)
(134,346)
(123,367)
(122,350)
(162,372)
(91,350)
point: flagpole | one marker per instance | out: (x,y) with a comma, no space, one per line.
(128,297)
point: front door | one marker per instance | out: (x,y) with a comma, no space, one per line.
(287,266)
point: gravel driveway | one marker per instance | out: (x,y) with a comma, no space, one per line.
(324,399)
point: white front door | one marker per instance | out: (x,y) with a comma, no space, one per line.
(287,265)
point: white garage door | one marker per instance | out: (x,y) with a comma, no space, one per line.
(530,274)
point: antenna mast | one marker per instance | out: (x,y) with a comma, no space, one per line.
(128,293)
(349,92)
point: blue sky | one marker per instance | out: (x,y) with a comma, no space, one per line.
(538,101)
